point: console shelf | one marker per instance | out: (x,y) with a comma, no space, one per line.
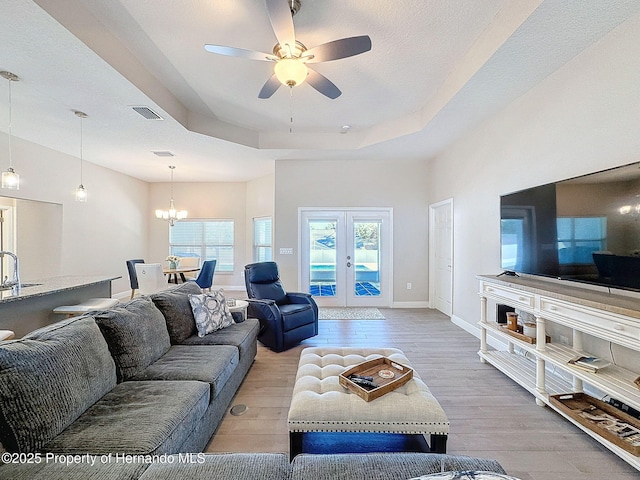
(610,317)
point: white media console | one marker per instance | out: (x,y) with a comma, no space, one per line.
(611,317)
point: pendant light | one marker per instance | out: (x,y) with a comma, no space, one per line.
(10,179)
(172,215)
(81,192)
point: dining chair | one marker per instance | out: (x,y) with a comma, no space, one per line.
(133,278)
(190,262)
(205,277)
(150,278)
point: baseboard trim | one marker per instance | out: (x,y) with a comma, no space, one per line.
(122,296)
(410,305)
(475,331)
(232,288)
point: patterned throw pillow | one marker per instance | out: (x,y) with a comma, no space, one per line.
(467,475)
(211,312)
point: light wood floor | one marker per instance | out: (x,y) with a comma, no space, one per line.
(490,415)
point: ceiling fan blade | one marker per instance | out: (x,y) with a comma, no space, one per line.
(270,87)
(239,52)
(323,84)
(343,48)
(282,22)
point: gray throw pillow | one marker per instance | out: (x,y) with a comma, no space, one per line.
(174,305)
(136,333)
(211,312)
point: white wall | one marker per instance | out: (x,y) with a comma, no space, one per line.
(358,183)
(260,203)
(583,118)
(97,236)
(118,223)
(207,200)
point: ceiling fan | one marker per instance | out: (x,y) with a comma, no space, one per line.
(291,57)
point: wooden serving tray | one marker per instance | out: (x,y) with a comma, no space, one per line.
(602,418)
(520,336)
(371,368)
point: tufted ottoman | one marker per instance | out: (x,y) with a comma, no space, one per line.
(321,404)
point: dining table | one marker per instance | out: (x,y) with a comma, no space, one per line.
(174,272)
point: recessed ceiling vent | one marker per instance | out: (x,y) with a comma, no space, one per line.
(147,113)
(164,153)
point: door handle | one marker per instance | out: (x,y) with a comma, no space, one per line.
(348,264)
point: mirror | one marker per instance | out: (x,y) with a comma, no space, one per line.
(32,230)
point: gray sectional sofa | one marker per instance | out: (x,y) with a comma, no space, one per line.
(134,379)
(128,392)
(259,466)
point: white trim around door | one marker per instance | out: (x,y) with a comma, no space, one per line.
(441,256)
(346,255)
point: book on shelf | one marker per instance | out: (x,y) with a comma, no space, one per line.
(589,363)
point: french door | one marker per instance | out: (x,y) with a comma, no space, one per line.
(346,256)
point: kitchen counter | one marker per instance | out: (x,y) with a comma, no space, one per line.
(32,306)
(47,286)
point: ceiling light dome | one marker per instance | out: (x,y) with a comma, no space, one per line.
(291,71)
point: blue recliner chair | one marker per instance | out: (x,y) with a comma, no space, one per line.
(286,318)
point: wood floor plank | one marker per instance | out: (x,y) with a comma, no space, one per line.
(490,415)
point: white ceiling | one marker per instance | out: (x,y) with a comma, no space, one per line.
(437,68)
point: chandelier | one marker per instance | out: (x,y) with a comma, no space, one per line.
(172,215)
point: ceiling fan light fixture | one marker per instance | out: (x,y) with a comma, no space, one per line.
(291,56)
(291,71)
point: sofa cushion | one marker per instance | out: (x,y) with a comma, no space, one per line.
(136,333)
(143,418)
(211,312)
(211,364)
(241,335)
(49,378)
(295,315)
(49,470)
(228,466)
(174,305)
(385,466)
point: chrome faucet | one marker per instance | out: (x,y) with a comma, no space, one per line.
(16,271)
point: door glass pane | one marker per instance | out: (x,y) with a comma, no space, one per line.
(322,258)
(366,255)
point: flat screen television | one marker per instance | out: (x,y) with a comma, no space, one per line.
(585,229)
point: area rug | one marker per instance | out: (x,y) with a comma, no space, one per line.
(348,313)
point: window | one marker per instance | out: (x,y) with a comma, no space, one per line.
(262,239)
(207,239)
(579,237)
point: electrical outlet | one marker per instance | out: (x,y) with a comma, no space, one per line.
(408,285)
(286,251)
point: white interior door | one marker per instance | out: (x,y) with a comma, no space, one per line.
(441,256)
(346,256)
